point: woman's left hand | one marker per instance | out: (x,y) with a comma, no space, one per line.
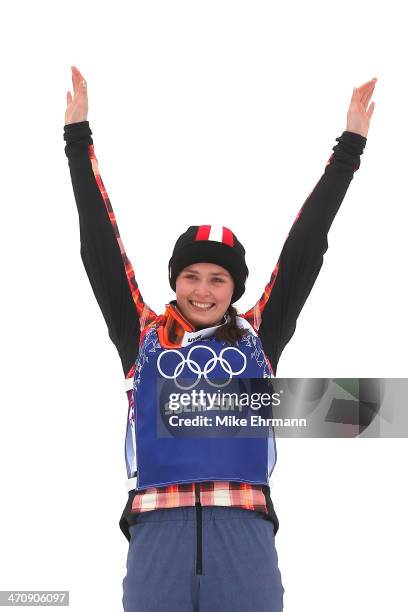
(358,117)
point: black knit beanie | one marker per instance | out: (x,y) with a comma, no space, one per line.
(211,244)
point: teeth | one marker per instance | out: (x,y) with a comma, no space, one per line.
(202,305)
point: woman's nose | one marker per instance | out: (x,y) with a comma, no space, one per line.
(202,289)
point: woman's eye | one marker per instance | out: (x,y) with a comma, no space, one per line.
(193,277)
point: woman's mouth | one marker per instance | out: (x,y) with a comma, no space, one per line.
(201,306)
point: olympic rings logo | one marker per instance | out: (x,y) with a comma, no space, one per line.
(195,367)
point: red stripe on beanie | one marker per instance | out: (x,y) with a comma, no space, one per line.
(203,232)
(227,236)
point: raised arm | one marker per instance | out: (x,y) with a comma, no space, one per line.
(107,266)
(275,314)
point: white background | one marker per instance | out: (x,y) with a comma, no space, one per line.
(202,112)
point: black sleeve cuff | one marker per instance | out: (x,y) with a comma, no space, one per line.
(352,143)
(77,131)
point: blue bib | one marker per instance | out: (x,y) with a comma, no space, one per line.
(183,430)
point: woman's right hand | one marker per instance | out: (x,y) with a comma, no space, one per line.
(77,107)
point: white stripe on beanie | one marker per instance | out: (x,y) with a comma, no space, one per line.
(216,233)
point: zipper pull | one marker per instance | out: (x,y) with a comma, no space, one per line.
(197,493)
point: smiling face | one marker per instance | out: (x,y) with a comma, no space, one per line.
(204,292)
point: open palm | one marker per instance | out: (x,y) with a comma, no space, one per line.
(77,106)
(358,116)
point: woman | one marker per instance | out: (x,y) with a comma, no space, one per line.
(199,516)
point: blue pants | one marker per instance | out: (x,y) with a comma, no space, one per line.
(202,559)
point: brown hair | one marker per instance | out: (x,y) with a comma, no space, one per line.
(230,332)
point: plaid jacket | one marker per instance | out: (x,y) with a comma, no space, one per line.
(273,316)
